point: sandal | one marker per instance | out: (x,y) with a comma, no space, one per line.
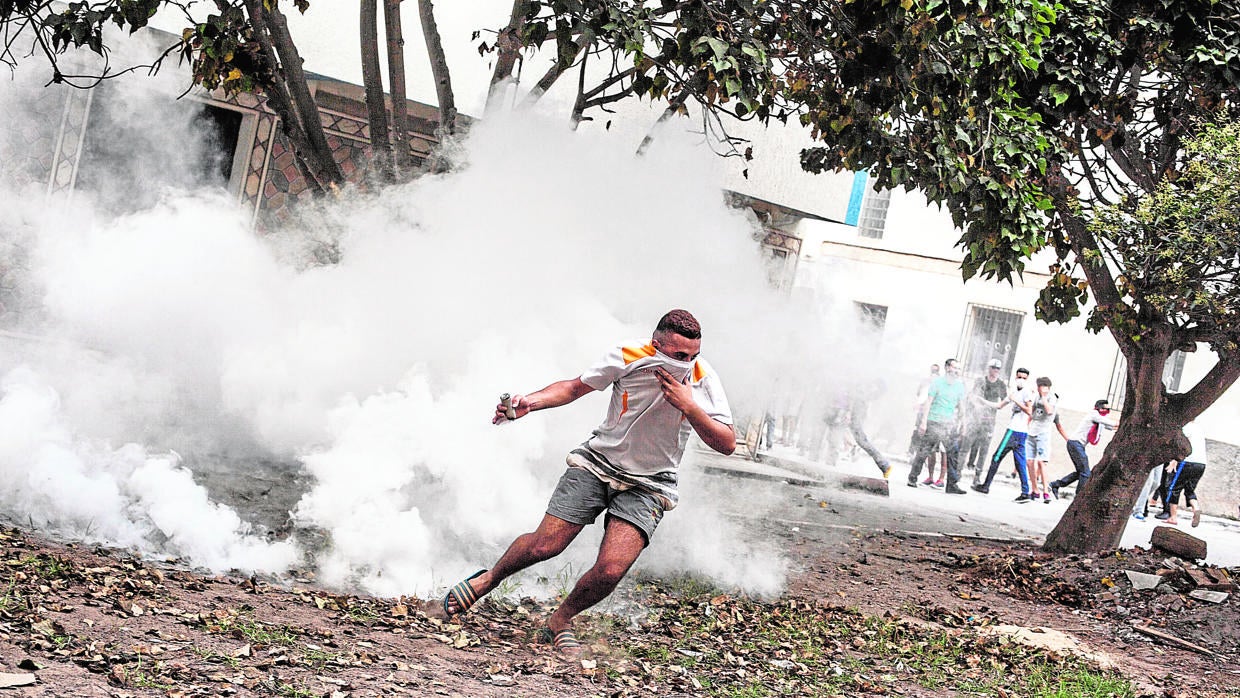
(463,595)
(565,641)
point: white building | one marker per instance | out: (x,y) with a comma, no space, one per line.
(894,260)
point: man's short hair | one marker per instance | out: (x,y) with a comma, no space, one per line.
(1101,404)
(1022,370)
(1043,380)
(950,362)
(681,322)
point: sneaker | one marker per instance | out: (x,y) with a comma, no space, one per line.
(980,488)
(1023,498)
(952,489)
(938,483)
(912,483)
(1055,489)
(886,468)
(1046,498)
(1196,518)
(1163,516)
(928,481)
(1139,517)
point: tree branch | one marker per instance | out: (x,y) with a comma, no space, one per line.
(1189,405)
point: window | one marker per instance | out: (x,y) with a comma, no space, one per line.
(872,316)
(1173,372)
(874,214)
(989,333)
(130,156)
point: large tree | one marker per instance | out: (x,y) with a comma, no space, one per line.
(1052,124)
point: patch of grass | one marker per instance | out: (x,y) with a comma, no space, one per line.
(253,631)
(288,690)
(208,655)
(362,614)
(737,648)
(138,678)
(318,658)
(12,600)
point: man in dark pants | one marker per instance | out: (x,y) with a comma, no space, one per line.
(1086,432)
(941,425)
(1014,438)
(988,394)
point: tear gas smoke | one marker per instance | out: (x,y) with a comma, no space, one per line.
(173,328)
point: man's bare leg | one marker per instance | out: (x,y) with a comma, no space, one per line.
(622,543)
(550,539)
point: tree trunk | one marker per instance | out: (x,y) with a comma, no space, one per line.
(396,77)
(372,80)
(292,100)
(439,69)
(1095,521)
(508,49)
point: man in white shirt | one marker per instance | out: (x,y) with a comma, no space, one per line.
(1013,441)
(1087,432)
(661,391)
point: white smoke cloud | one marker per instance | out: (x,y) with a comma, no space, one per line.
(176,327)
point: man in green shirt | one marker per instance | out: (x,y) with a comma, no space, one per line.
(941,425)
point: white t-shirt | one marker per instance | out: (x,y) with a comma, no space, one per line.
(643,437)
(1082,430)
(1196,441)
(1019,422)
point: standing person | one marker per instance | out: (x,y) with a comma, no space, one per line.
(1087,432)
(1013,440)
(989,394)
(1038,441)
(1141,509)
(923,393)
(661,391)
(940,426)
(1186,475)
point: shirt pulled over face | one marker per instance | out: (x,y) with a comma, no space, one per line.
(643,437)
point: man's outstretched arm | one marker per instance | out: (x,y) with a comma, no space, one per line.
(554,395)
(716,434)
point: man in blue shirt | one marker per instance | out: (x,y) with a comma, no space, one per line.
(941,425)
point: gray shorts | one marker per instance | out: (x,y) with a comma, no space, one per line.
(580,497)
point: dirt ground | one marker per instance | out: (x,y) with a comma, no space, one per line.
(93,622)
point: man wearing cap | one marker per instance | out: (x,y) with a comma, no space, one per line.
(987,396)
(1087,432)
(1021,399)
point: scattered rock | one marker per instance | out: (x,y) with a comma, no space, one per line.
(1141,581)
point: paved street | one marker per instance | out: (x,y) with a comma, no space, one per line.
(928,509)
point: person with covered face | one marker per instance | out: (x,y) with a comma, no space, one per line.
(1013,441)
(1089,431)
(661,392)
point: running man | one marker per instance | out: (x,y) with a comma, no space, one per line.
(661,390)
(1087,432)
